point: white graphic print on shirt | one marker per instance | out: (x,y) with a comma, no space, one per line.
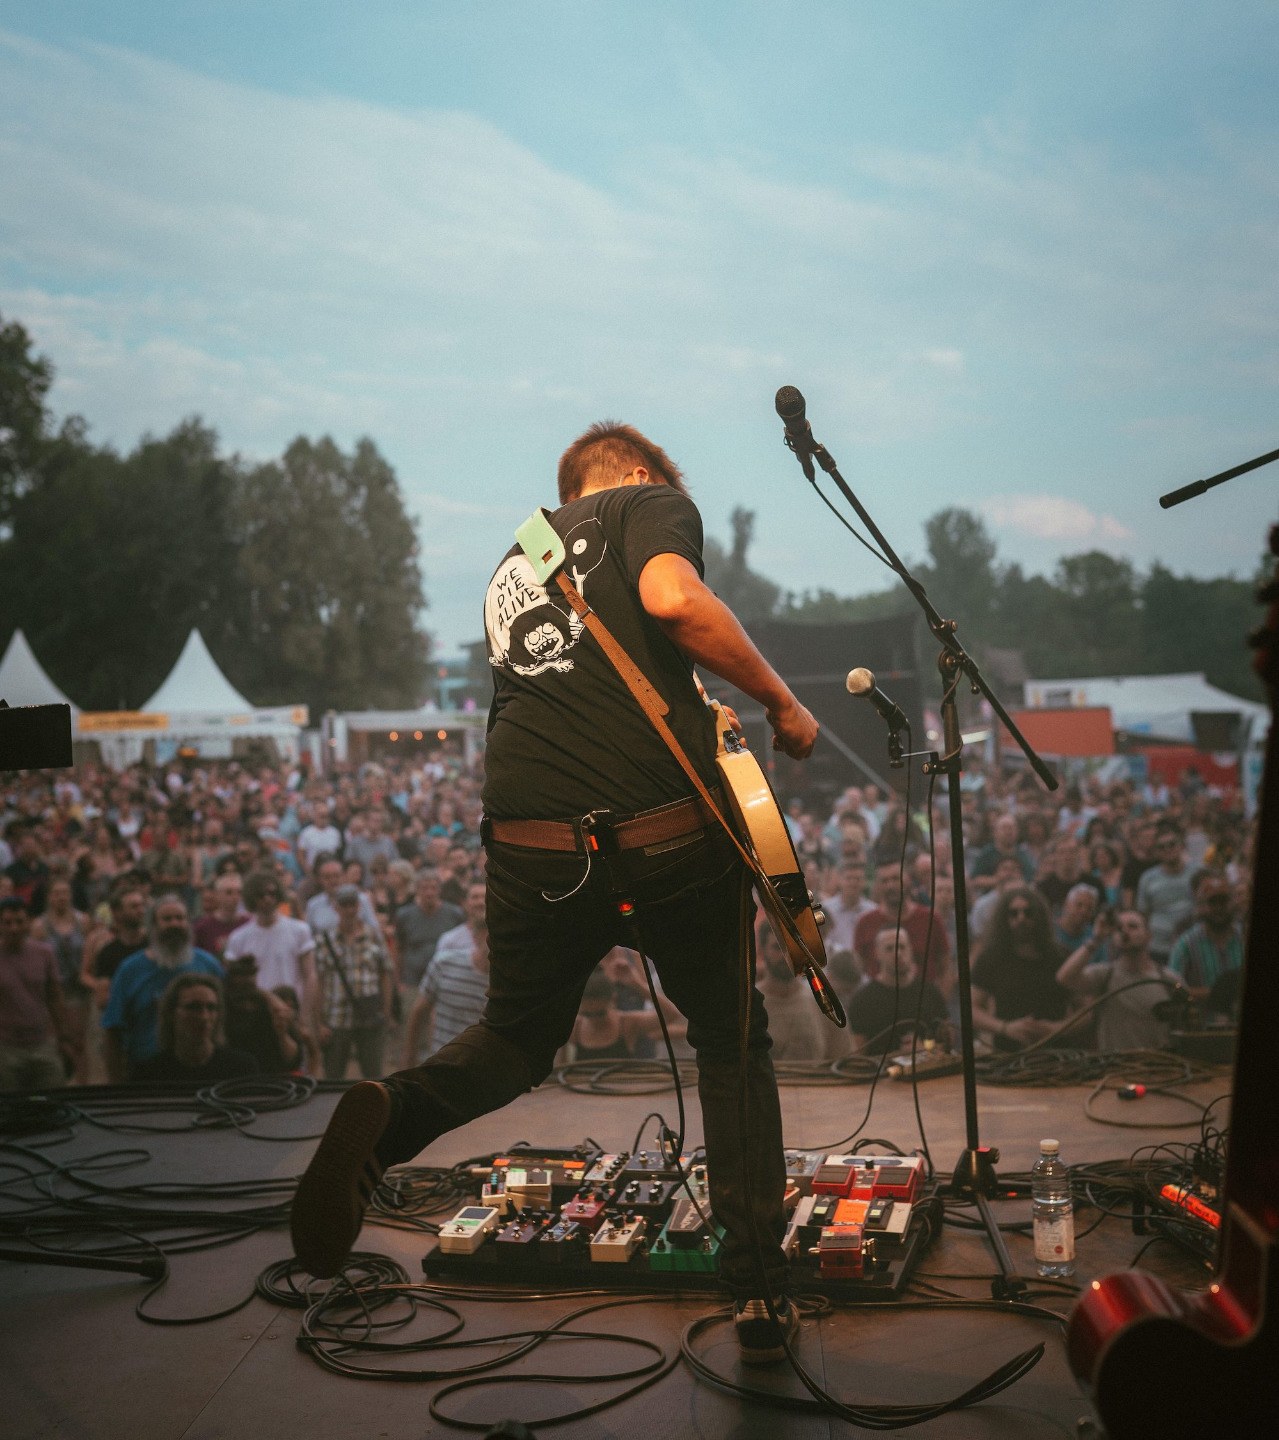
(527,630)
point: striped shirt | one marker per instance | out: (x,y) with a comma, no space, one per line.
(456,989)
(364,961)
(1200,961)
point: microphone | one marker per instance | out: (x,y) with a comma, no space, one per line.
(862,682)
(790,407)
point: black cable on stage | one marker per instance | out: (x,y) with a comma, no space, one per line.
(874,1417)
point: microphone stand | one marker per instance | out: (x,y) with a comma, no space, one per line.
(974,1176)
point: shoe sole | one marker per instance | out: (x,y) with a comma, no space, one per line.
(332,1196)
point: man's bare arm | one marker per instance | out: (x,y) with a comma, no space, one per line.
(705,629)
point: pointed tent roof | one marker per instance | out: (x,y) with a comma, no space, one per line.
(196,684)
(22,677)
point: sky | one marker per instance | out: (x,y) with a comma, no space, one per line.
(1019,258)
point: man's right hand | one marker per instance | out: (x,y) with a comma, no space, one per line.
(794,729)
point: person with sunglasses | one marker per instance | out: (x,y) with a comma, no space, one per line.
(1016,997)
(193,1050)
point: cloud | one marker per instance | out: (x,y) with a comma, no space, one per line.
(1053,517)
(975,318)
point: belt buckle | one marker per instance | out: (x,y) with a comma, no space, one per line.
(598,835)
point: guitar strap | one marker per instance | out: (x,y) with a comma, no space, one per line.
(657,710)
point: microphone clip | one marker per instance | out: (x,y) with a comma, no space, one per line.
(802,451)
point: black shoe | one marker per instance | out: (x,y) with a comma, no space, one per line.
(328,1209)
(763,1341)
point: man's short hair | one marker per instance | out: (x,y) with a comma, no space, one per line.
(606,452)
(11,903)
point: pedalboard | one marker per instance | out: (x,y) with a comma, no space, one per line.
(633,1220)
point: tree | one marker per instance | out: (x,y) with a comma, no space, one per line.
(331,585)
(1192,624)
(112,561)
(961,578)
(1100,607)
(747,594)
(25,379)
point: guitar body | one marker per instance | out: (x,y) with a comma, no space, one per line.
(761,827)
(1162,1364)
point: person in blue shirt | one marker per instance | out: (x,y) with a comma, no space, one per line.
(129,1019)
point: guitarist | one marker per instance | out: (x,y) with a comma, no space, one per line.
(570,754)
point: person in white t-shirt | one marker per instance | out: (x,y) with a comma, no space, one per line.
(283,947)
(319,836)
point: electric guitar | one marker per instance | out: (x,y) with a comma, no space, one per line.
(1160,1363)
(787,900)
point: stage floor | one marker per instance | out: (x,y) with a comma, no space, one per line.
(78,1365)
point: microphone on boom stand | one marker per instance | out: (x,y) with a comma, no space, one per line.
(799,433)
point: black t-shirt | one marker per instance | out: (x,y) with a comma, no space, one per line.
(113,954)
(566,736)
(871,1010)
(166,1069)
(1021,985)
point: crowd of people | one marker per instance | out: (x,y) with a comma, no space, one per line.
(205,920)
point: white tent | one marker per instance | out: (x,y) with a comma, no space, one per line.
(197,686)
(22,677)
(1160,706)
(196,706)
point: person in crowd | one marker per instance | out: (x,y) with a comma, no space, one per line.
(35,1037)
(401,880)
(1016,996)
(794,1021)
(27,870)
(1164,894)
(130,1017)
(1213,945)
(1141,856)
(356,977)
(261,1024)
(418,928)
(603,1032)
(844,908)
(1107,873)
(284,948)
(213,929)
(927,938)
(321,908)
(109,945)
(1078,912)
(1132,981)
(1005,844)
(459,864)
(896,1003)
(1064,868)
(454,986)
(318,836)
(191,1042)
(1008,876)
(373,842)
(65,929)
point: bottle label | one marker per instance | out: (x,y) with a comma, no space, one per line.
(1055,1240)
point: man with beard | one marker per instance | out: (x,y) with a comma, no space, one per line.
(129,1019)
(1016,997)
(1133,982)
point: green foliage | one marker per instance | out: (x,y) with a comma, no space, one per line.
(331,581)
(301,574)
(746,593)
(1095,616)
(24,382)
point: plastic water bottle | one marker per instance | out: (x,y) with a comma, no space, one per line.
(1052,1212)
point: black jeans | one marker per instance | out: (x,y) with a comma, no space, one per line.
(693,910)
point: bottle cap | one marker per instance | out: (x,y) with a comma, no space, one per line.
(1049,1147)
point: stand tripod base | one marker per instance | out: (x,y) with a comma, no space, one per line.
(974,1179)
